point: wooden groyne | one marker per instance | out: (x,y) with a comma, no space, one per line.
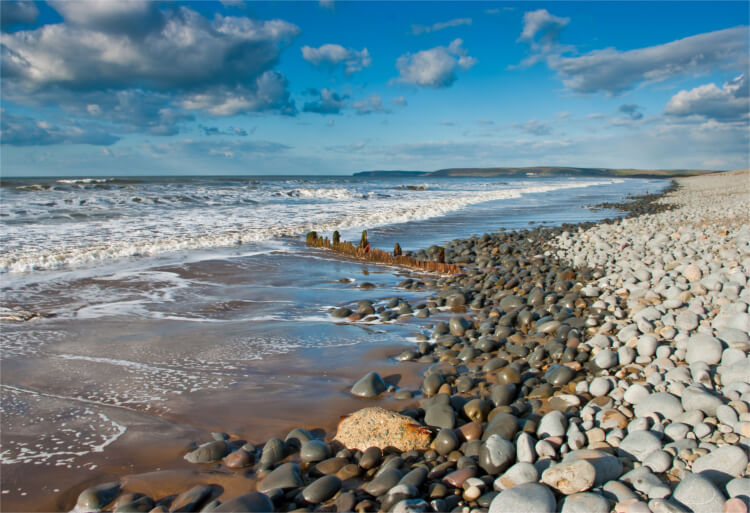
(368,254)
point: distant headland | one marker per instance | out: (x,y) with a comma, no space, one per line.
(540,171)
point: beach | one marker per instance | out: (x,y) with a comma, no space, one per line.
(566,350)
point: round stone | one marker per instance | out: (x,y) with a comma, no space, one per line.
(722,464)
(639,444)
(552,424)
(284,476)
(371,458)
(585,502)
(524,497)
(600,386)
(208,452)
(686,321)
(663,403)
(314,451)
(695,398)
(570,477)
(508,376)
(496,455)
(635,393)
(445,442)
(559,375)
(321,489)
(370,386)
(605,359)
(703,348)
(96,497)
(647,345)
(658,461)
(253,502)
(440,416)
(520,473)
(698,494)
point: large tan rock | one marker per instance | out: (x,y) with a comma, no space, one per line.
(377,427)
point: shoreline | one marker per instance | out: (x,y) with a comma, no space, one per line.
(472,351)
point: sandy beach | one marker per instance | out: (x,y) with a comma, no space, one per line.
(595,367)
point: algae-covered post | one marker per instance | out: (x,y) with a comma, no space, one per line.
(397,250)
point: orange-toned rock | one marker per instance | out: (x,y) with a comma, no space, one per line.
(377,427)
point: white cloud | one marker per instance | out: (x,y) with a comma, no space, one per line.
(422,29)
(613,71)
(399,100)
(730,102)
(542,25)
(332,56)
(435,67)
(117,17)
(373,103)
(221,66)
(268,92)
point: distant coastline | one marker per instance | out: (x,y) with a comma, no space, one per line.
(540,171)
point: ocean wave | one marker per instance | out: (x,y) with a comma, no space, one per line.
(223,220)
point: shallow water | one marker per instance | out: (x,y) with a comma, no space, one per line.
(133,357)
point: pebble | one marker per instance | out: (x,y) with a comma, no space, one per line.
(496,455)
(552,424)
(663,403)
(445,442)
(369,386)
(321,489)
(524,497)
(284,476)
(647,345)
(570,477)
(698,398)
(585,502)
(636,393)
(517,474)
(605,359)
(314,451)
(703,348)
(639,444)
(252,502)
(658,461)
(208,452)
(607,466)
(698,494)
(599,387)
(722,464)
(97,497)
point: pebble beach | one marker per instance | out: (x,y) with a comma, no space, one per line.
(584,368)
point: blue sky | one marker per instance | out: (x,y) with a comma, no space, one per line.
(134,87)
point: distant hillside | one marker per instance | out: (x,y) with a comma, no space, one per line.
(567,171)
(485,172)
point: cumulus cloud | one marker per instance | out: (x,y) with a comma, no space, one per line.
(373,103)
(534,127)
(728,103)
(136,65)
(25,131)
(422,29)
(333,56)
(16,13)
(631,110)
(328,102)
(541,25)
(435,67)
(131,17)
(613,71)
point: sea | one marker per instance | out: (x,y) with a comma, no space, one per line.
(140,314)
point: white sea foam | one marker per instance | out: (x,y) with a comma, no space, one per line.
(70,228)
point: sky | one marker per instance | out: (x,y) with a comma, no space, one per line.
(133,87)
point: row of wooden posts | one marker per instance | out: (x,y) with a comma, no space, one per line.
(369,254)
